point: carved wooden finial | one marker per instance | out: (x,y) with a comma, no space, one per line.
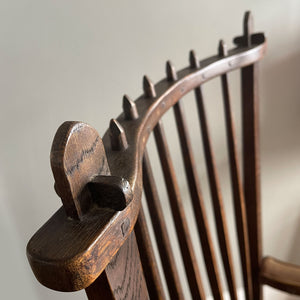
(248,27)
(222,49)
(149,88)
(117,136)
(77,155)
(171,72)
(194,61)
(129,108)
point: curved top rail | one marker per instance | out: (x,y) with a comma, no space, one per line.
(164,95)
(77,265)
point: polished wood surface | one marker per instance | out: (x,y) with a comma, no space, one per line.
(280,275)
(99,240)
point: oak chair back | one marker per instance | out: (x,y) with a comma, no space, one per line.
(99,240)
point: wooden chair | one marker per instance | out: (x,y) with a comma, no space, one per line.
(99,240)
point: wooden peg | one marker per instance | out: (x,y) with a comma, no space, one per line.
(117,136)
(248,27)
(222,50)
(171,72)
(194,61)
(129,108)
(149,88)
(111,191)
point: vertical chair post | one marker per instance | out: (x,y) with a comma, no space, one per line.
(252,171)
(251,159)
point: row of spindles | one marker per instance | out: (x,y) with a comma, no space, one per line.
(119,142)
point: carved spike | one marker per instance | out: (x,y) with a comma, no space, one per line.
(129,108)
(194,62)
(171,72)
(248,27)
(117,136)
(222,49)
(149,88)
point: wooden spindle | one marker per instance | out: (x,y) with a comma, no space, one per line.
(129,108)
(148,87)
(248,27)
(160,230)
(153,279)
(195,192)
(217,200)
(237,190)
(184,238)
(82,177)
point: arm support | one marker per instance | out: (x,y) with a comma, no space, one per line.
(280,275)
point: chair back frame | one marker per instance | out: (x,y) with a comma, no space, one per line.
(99,240)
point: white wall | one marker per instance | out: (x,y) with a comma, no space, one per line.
(73,60)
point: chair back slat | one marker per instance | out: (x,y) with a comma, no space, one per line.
(100,288)
(152,276)
(160,230)
(181,224)
(101,240)
(216,196)
(237,191)
(251,171)
(194,188)
(123,277)
(197,202)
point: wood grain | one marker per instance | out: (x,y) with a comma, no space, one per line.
(236,183)
(81,239)
(217,199)
(149,263)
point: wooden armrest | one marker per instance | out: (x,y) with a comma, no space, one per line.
(280,275)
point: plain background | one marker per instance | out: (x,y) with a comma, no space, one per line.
(73,60)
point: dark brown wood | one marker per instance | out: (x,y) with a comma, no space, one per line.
(89,242)
(251,171)
(196,196)
(217,200)
(237,189)
(77,156)
(124,277)
(161,234)
(280,275)
(184,239)
(197,201)
(152,276)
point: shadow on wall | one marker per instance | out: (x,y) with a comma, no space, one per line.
(295,245)
(280,150)
(280,103)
